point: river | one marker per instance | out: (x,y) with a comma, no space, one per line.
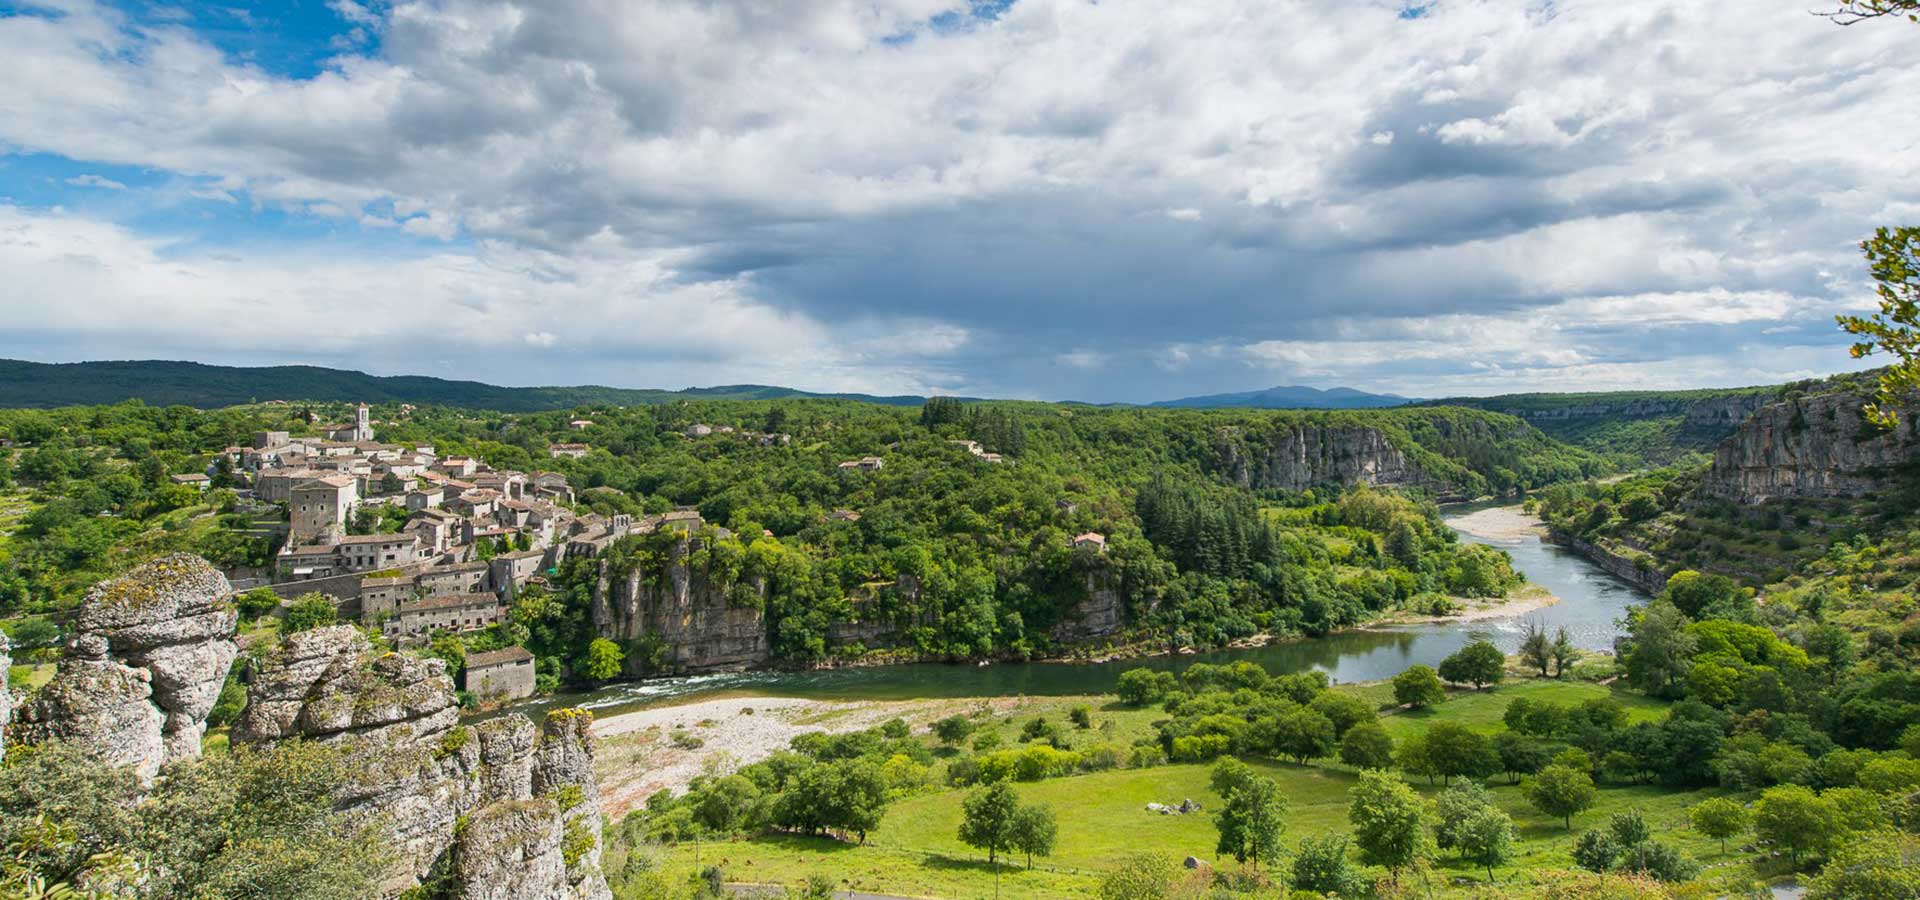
(1591,603)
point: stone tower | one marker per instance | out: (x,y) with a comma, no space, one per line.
(362,423)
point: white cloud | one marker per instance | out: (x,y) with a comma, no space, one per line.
(1229,189)
(96,181)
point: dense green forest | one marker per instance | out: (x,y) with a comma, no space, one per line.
(1200,551)
(165,383)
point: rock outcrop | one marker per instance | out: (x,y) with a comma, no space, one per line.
(1308,456)
(701,621)
(526,797)
(1099,614)
(150,652)
(1818,446)
(6,696)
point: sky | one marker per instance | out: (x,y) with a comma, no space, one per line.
(1051,199)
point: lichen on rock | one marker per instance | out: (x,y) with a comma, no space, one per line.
(149,654)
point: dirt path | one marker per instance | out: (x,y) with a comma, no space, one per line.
(641,752)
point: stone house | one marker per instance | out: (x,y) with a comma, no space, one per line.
(446,612)
(699,430)
(458,466)
(425,496)
(580,424)
(552,486)
(276,485)
(1091,541)
(573,451)
(454,578)
(193,480)
(380,598)
(320,504)
(497,675)
(436,528)
(511,485)
(864,464)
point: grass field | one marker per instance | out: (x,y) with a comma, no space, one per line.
(1102,817)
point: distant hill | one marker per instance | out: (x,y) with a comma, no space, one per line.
(1291,397)
(166,383)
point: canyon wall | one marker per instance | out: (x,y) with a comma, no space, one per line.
(701,622)
(1809,447)
(1313,455)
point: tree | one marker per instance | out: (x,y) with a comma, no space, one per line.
(953,730)
(603,660)
(1660,651)
(1718,818)
(1344,710)
(1367,747)
(1479,664)
(986,819)
(1389,821)
(257,602)
(1033,832)
(1872,866)
(1564,652)
(1418,687)
(1321,865)
(1454,750)
(1486,837)
(1536,650)
(1142,876)
(308,611)
(1251,821)
(1851,12)
(1303,734)
(1452,809)
(1561,791)
(1520,754)
(1796,820)
(1893,258)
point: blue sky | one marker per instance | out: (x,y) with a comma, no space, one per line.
(1044,198)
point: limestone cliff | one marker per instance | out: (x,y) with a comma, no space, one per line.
(1100,613)
(1817,446)
(703,622)
(6,696)
(527,798)
(149,654)
(1307,456)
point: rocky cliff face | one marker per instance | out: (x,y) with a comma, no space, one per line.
(1311,455)
(695,617)
(150,652)
(1817,446)
(526,796)
(6,696)
(1100,614)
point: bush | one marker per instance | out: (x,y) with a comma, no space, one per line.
(1321,865)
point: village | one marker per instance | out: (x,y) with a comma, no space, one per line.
(473,535)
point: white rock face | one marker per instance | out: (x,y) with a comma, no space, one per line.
(6,696)
(150,652)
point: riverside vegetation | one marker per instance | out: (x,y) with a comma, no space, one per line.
(1764,725)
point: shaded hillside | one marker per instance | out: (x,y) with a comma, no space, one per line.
(166,383)
(1647,426)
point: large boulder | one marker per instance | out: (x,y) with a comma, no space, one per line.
(420,773)
(150,652)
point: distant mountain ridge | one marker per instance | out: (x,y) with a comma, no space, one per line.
(167,383)
(1291,397)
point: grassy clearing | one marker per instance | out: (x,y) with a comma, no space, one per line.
(1103,818)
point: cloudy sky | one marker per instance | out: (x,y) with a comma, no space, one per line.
(1060,199)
